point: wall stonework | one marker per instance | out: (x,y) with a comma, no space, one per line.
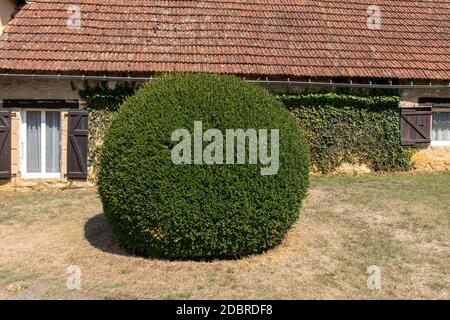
(64,141)
(432,159)
(410,97)
(15,143)
(39,89)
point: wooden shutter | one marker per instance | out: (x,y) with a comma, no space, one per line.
(77,144)
(5,144)
(415,127)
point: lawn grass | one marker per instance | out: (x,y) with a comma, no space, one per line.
(400,223)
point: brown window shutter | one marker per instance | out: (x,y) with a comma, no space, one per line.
(415,127)
(5,144)
(77,144)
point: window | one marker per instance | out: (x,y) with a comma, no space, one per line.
(440,127)
(41,144)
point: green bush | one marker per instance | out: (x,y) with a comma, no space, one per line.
(160,209)
(354,129)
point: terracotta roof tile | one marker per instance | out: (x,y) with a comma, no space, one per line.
(291,38)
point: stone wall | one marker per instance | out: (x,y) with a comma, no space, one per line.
(410,97)
(15,142)
(432,159)
(39,89)
(65,89)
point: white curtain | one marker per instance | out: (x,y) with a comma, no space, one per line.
(33,141)
(441,126)
(52,134)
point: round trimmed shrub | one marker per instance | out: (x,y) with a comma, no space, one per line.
(161,209)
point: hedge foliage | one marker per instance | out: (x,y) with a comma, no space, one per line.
(354,129)
(341,124)
(161,209)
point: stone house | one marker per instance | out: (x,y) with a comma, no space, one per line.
(49,48)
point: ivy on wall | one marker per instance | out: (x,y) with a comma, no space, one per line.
(104,97)
(102,101)
(356,126)
(98,123)
(354,129)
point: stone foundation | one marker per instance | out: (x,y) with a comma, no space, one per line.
(27,185)
(432,159)
(353,169)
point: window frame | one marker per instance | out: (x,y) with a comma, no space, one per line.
(22,148)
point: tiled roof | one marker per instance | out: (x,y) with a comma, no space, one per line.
(288,38)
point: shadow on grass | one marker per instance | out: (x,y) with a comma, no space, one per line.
(98,232)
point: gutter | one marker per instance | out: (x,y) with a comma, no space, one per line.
(331,83)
